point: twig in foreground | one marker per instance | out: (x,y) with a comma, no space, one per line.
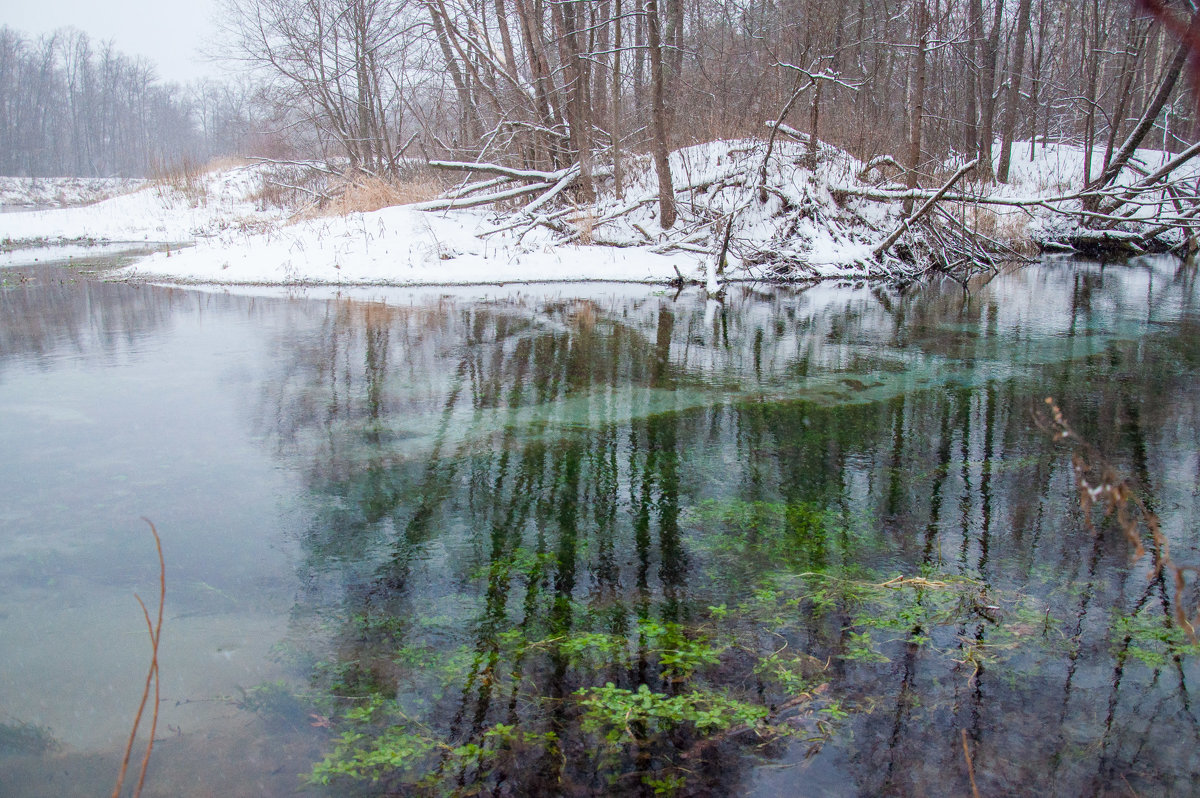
(155,631)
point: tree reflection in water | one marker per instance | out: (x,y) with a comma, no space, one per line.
(638,545)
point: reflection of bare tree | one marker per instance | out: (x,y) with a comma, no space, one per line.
(490,477)
(49,312)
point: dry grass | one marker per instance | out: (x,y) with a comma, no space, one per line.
(585,223)
(188,178)
(365,193)
(1006,227)
(370,193)
(185,178)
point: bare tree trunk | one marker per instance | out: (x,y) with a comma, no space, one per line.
(1130,60)
(510,58)
(599,15)
(470,113)
(917,100)
(1035,78)
(577,105)
(1089,95)
(658,110)
(1144,125)
(814,119)
(1012,102)
(974,46)
(987,95)
(673,44)
(615,132)
(531,34)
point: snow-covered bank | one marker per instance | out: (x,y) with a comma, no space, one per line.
(61,192)
(394,246)
(788,216)
(161,212)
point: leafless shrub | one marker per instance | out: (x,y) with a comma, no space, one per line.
(292,185)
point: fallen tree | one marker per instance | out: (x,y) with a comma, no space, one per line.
(789,207)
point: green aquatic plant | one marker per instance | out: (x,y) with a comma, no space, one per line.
(1154,641)
(679,655)
(860,648)
(794,673)
(383,744)
(747,536)
(20,737)
(629,716)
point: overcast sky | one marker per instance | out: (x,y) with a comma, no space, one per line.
(168,32)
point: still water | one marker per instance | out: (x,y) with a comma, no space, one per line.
(598,539)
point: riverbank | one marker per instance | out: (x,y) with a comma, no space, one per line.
(779,211)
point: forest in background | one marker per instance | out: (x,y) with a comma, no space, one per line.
(72,106)
(550,83)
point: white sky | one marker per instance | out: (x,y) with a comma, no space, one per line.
(168,32)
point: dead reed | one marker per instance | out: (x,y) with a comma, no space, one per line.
(1099,484)
(155,631)
(185,178)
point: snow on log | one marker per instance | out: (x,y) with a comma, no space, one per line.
(491,168)
(482,199)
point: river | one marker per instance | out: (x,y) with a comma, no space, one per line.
(598,539)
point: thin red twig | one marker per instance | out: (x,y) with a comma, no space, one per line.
(970,765)
(155,631)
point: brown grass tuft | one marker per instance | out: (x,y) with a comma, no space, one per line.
(1008,228)
(364,193)
(185,177)
(585,223)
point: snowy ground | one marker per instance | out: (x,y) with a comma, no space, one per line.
(816,233)
(215,202)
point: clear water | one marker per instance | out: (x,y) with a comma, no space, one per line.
(445,521)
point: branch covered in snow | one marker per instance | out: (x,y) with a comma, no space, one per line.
(491,168)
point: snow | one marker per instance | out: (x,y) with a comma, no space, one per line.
(218,201)
(395,246)
(59,253)
(17,192)
(802,230)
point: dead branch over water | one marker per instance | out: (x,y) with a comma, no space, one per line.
(1099,484)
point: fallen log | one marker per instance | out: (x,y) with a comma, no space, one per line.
(1147,183)
(878,162)
(1106,242)
(491,168)
(558,188)
(482,199)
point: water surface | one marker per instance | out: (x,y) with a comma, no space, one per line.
(597,539)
